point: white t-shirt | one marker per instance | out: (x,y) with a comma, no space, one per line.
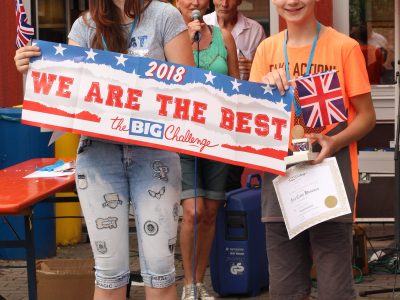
(247,33)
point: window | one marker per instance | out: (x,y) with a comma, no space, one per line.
(52,20)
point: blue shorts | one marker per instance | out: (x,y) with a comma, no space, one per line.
(110,176)
(211,178)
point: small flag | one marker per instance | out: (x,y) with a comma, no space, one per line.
(321,99)
(24,30)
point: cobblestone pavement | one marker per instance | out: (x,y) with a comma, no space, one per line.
(13,281)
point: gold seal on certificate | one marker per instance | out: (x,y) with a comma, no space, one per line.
(331,201)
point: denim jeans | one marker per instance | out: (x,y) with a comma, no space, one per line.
(111,176)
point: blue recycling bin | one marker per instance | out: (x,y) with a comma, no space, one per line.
(238,261)
(19,142)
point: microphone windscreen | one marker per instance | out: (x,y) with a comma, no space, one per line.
(196,14)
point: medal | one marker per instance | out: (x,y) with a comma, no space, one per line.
(297,132)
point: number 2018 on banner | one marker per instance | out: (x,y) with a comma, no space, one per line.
(165,72)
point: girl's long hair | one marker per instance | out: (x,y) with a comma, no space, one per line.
(108,19)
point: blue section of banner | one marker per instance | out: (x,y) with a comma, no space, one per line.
(163,71)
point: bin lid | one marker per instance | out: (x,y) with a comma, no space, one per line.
(11,114)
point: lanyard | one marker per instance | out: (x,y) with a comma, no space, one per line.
(129,36)
(297,108)
(310,57)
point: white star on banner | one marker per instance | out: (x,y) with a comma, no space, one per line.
(134,74)
(267,89)
(59,49)
(210,77)
(121,60)
(281,104)
(235,85)
(91,54)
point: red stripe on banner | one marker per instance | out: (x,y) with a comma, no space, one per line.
(151,145)
(278,154)
(41,108)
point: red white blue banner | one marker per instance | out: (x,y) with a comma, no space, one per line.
(158,104)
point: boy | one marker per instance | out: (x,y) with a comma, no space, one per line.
(311,48)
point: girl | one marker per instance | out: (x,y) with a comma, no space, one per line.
(119,173)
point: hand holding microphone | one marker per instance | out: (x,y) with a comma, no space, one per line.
(196,25)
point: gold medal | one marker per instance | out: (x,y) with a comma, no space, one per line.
(330,201)
(297,132)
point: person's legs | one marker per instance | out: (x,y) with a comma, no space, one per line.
(162,293)
(186,236)
(103,193)
(192,185)
(155,186)
(114,294)
(332,248)
(214,177)
(206,232)
(210,178)
(289,263)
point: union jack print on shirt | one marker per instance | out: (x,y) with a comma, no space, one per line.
(24,30)
(321,99)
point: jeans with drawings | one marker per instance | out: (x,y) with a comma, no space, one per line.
(109,176)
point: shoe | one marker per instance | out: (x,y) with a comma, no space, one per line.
(188,292)
(202,292)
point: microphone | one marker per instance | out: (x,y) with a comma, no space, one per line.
(196,15)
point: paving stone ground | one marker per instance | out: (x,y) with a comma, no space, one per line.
(13,281)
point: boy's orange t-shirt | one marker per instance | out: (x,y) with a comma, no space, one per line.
(334,51)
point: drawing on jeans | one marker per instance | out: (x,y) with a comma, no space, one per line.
(160,170)
(150,227)
(157,194)
(112,200)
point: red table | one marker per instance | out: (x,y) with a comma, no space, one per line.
(18,195)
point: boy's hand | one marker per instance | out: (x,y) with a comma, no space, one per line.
(327,143)
(277,77)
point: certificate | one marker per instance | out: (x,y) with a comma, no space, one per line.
(311,194)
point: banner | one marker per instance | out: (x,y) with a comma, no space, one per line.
(157,104)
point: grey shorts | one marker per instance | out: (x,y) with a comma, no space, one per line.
(210,178)
(328,245)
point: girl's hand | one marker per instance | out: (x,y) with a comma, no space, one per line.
(22,56)
(277,78)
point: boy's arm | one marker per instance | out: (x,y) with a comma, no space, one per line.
(362,123)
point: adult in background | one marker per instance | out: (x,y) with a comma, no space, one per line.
(247,34)
(115,172)
(217,53)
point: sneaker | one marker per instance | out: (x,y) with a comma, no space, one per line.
(202,292)
(188,292)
